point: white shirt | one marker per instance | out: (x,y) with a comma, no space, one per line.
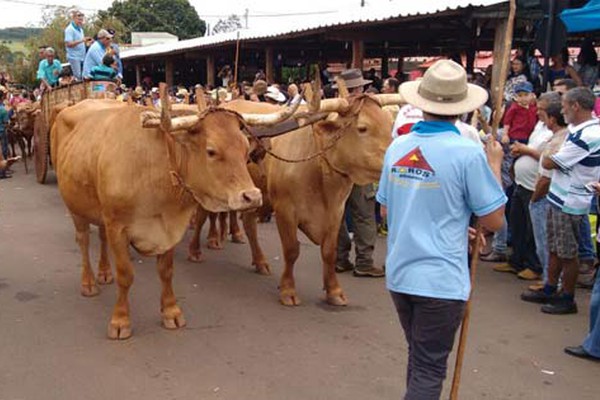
(526,167)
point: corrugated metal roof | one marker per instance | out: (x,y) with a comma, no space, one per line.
(303,25)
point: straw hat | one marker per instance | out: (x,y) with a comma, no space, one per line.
(182,92)
(138,92)
(444,90)
(353,78)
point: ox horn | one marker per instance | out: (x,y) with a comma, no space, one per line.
(390,99)
(333,105)
(273,118)
(342,88)
(315,102)
(200,100)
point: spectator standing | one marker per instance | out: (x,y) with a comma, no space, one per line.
(48,70)
(75,42)
(575,165)
(560,68)
(116,53)
(588,64)
(432,182)
(107,71)
(96,52)
(360,206)
(3,122)
(390,85)
(518,74)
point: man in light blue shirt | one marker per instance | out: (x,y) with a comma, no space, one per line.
(48,70)
(75,42)
(433,181)
(96,52)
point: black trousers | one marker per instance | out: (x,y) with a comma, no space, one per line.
(523,243)
(429,326)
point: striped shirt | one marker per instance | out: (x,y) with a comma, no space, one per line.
(578,162)
(103,73)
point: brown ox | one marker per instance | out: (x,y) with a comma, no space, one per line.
(141,186)
(310,195)
(24,118)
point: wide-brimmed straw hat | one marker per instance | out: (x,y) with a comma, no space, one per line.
(444,90)
(353,78)
(275,94)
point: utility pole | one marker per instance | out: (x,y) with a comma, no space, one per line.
(246,17)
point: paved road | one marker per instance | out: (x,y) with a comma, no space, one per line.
(240,343)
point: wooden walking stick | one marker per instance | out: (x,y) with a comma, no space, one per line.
(499,93)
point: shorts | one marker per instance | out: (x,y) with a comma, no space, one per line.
(563,233)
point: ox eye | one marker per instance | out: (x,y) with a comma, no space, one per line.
(362,129)
(211,153)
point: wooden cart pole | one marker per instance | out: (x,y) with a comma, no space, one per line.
(504,58)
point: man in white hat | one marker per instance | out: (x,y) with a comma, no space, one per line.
(433,181)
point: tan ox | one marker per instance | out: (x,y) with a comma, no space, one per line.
(310,195)
(24,118)
(141,186)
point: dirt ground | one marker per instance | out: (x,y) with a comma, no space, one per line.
(240,343)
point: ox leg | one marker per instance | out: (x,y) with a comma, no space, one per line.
(120,322)
(288,233)
(172,316)
(105,276)
(335,294)
(222,227)
(234,228)
(82,236)
(213,234)
(194,251)
(258,258)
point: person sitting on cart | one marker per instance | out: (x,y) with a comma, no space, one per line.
(49,70)
(107,71)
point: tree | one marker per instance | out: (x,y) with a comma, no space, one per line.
(178,17)
(232,23)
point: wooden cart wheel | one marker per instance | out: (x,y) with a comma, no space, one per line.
(40,141)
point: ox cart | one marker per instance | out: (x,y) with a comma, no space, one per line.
(71,94)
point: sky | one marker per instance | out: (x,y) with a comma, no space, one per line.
(28,12)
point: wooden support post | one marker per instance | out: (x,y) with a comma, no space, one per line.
(385,66)
(138,75)
(269,64)
(497,70)
(169,72)
(358,54)
(210,70)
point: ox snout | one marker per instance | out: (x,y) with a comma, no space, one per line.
(246,199)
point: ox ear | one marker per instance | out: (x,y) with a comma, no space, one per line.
(328,127)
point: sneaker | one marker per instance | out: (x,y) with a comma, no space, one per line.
(505,268)
(528,275)
(372,272)
(538,296)
(344,267)
(494,257)
(560,307)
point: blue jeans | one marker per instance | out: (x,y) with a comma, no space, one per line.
(591,344)
(500,237)
(538,212)
(586,247)
(76,67)
(4,143)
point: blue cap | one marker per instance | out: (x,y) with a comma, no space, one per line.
(526,87)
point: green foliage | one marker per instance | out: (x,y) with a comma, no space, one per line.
(18,34)
(177,17)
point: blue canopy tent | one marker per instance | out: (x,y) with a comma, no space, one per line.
(584,19)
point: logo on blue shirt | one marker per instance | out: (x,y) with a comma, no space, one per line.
(413,166)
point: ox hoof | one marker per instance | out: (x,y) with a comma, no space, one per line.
(119,331)
(105,278)
(289,299)
(90,290)
(174,323)
(214,244)
(195,256)
(262,269)
(337,299)
(238,238)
